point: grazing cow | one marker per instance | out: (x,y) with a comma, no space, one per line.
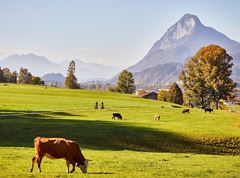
(208,110)
(117,115)
(203,107)
(185,111)
(56,148)
(157,117)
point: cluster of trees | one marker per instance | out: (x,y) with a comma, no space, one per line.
(24,77)
(125,82)
(173,95)
(206,77)
(6,76)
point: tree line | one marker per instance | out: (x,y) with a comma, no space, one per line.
(23,77)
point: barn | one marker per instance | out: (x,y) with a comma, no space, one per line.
(150,95)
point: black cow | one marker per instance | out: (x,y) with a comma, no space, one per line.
(208,110)
(185,111)
(117,115)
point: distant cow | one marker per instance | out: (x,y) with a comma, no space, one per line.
(157,117)
(185,111)
(117,115)
(208,110)
(56,148)
(203,107)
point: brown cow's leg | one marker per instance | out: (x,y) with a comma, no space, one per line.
(68,164)
(33,161)
(71,161)
(39,160)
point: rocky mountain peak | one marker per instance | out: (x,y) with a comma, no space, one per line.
(184,27)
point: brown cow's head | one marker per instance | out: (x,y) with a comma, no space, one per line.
(83,167)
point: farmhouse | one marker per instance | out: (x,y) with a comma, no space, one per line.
(150,95)
(236,100)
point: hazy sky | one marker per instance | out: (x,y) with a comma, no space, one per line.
(115,32)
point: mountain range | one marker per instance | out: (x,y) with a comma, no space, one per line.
(179,43)
(158,68)
(39,65)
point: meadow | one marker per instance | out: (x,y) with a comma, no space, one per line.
(197,144)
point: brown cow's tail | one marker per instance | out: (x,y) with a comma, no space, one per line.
(36,144)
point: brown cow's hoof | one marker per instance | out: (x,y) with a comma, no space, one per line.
(30,170)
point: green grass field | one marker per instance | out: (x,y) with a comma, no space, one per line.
(180,145)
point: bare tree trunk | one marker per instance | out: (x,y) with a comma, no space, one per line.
(216,100)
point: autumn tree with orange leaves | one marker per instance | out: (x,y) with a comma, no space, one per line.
(206,76)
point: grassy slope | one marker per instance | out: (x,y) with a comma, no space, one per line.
(70,113)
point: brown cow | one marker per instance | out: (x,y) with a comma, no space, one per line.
(56,148)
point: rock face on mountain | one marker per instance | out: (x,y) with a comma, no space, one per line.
(159,75)
(181,41)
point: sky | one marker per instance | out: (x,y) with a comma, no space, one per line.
(110,32)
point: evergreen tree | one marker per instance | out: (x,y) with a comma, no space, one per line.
(175,94)
(1,75)
(126,82)
(71,80)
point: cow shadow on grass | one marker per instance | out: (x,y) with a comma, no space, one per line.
(20,130)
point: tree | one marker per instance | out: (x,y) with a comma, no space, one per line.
(217,71)
(163,95)
(207,75)
(71,80)
(6,75)
(193,82)
(126,82)
(14,77)
(175,94)
(113,88)
(37,81)
(24,77)
(1,75)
